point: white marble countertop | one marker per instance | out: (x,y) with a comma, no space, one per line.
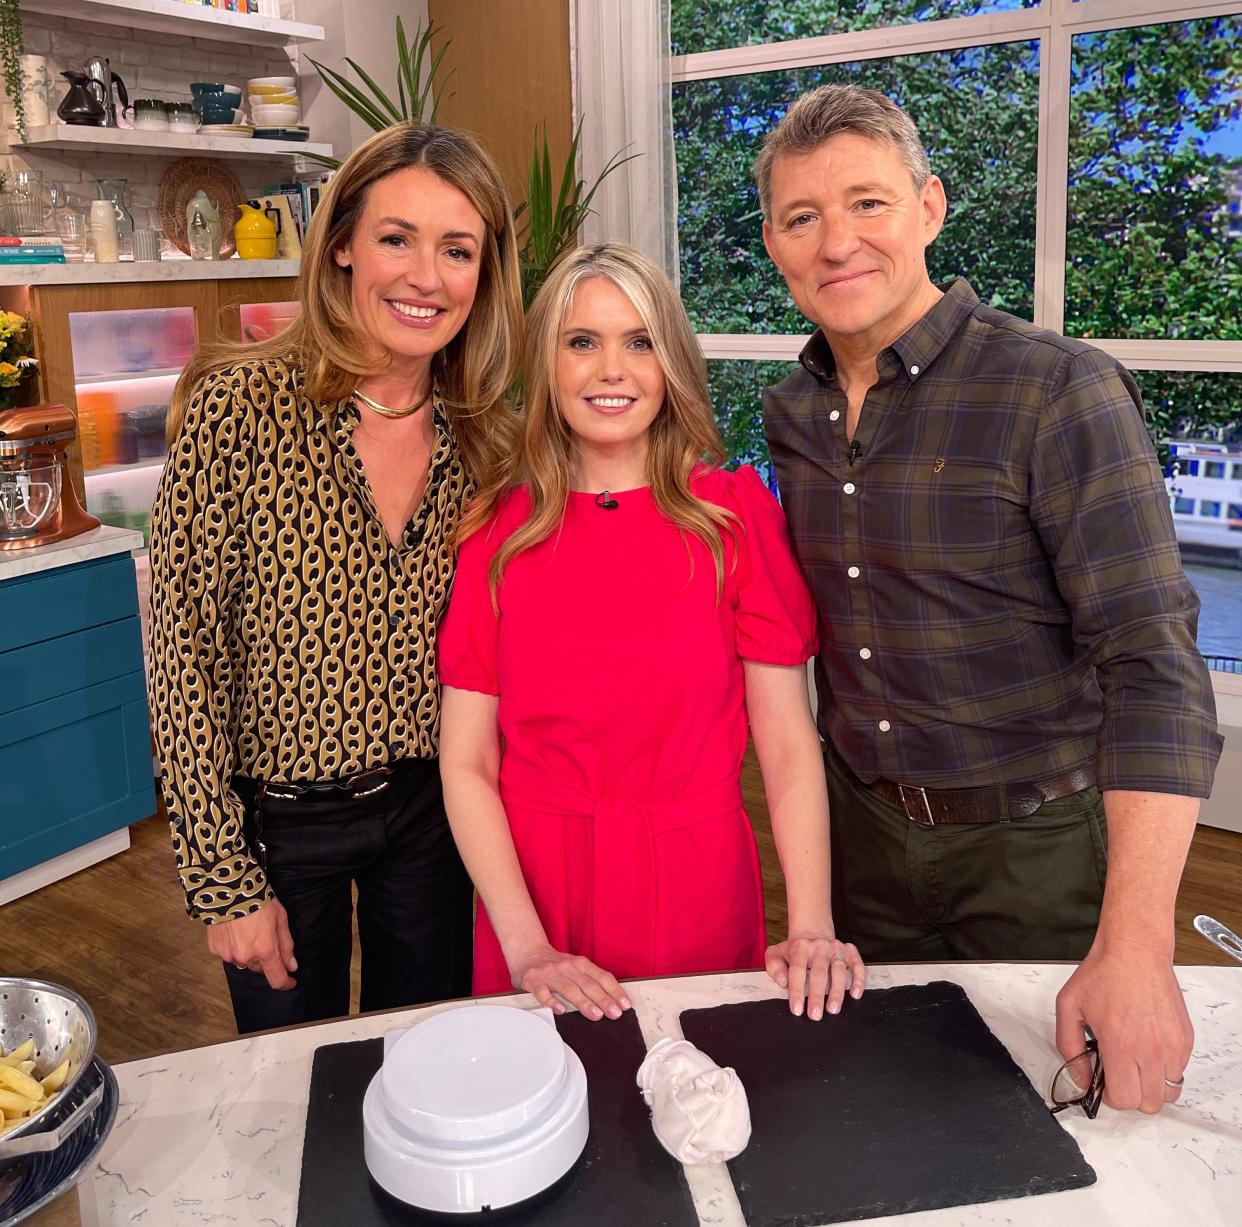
(213,1136)
(94,543)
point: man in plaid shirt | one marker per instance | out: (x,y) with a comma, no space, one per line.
(1018,723)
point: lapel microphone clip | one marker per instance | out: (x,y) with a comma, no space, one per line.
(606,501)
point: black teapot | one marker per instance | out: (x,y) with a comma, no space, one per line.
(85,103)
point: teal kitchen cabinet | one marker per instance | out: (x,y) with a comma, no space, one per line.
(75,744)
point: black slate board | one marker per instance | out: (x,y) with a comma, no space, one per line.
(904,1101)
(623,1178)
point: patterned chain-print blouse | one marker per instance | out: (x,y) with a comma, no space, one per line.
(290,640)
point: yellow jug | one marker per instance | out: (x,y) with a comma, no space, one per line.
(256,231)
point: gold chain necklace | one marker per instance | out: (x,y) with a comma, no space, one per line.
(387,411)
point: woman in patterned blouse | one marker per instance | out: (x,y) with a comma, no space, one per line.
(302,554)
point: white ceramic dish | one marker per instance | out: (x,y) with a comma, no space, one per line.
(477,1108)
(275,116)
(285,82)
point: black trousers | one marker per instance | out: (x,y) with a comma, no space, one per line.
(415,901)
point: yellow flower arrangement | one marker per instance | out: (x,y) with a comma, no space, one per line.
(16,361)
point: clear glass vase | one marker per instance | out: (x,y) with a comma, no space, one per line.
(114,190)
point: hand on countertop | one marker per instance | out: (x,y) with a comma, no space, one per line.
(555,977)
(815,967)
(1130,998)
(260,941)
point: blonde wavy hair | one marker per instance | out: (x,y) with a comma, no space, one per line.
(324,342)
(682,436)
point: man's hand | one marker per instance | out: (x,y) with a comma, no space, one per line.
(260,941)
(1128,996)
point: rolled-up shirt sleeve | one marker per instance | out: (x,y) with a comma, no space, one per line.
(1099,504)
(196,575)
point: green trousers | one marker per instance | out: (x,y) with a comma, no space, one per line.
(1027,889)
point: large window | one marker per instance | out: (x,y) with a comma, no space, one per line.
(988,152)
(709,25)
(1092,156)
(1155,154)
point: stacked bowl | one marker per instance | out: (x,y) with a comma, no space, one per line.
(46,1151)
(218,108)
(276,109)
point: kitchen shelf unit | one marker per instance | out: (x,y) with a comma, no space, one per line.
(130,271)
(177,17)
(82,138)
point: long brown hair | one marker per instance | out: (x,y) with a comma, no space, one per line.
(682,436)
(324,342)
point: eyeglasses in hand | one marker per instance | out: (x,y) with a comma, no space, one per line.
(1083,1071)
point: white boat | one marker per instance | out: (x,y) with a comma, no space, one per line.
(1204,481)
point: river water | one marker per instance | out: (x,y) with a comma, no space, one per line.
(1220,620)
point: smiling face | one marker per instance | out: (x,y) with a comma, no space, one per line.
(414,258)
(609,383)
(849,232)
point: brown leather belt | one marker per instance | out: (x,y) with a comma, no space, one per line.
(930,807)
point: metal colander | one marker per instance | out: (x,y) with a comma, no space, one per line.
(61,1025)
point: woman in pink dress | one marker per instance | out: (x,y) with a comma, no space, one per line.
(622,606)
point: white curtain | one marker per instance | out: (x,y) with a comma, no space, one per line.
(619,57)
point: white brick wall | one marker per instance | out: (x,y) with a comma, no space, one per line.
(152,65)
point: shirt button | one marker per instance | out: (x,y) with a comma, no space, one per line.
(853,572)
(914,370)
(885,726)
(865,653)
(834,415)
(848,487)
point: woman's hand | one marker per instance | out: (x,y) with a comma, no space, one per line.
(259,941)
(815,966)
(555,977)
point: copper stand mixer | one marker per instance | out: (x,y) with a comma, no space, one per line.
(38,504)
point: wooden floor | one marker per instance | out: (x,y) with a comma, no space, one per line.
(119,935)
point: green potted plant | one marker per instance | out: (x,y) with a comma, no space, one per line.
(548,220)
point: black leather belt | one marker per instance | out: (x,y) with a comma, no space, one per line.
(930,807)
(344,788)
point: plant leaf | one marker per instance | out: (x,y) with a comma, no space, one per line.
(384,100)
(352,97)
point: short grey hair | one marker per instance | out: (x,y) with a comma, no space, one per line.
(830,110)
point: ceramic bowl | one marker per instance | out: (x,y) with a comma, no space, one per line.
(217,105)
(273,100)
(259,84)
(275,116)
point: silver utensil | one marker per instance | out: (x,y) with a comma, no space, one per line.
(1218,935)
(35,1143)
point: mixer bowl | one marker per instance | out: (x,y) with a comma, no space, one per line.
(29,495)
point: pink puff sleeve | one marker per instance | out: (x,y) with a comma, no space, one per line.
(774,614)
(469,634)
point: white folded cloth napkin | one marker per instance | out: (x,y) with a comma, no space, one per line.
(698,1110)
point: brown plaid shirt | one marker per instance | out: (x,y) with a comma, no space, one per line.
(1000,592)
